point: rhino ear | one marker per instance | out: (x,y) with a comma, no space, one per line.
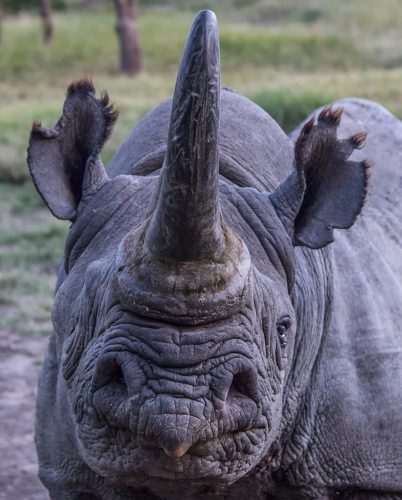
(326,190)
(64,160)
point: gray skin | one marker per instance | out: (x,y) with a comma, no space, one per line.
(208,341)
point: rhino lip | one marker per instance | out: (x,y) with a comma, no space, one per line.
(232,439)
(231,442)
(220,449)
(248,440)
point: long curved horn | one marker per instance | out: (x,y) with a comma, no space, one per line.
(186,223)
(184,264)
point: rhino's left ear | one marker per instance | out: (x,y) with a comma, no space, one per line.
(64,160)
(326,190)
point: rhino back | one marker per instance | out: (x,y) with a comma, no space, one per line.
(254,150)
(349,432)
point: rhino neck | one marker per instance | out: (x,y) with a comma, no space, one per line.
(312,300)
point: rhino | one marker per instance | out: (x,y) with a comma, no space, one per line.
(211,339)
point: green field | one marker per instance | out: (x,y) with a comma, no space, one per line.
(290,56)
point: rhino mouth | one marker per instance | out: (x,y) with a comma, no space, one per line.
(225,447)
(222,449)
(218,461)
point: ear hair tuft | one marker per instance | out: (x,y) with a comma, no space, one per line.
(110,115)
(330,116)
(302,139)
(83,85)
(368,163)
(43,132)
(36,127)
(358,140)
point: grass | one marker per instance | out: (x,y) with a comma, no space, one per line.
(289,56)
(31,244)
(289,107)
(86,43)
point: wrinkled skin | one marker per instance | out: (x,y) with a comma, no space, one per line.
(200,370)
(236,354)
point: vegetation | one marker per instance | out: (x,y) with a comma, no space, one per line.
(289,56)
(20,5)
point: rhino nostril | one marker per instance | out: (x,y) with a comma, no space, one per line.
(117,376)
(109,373)
(244,384)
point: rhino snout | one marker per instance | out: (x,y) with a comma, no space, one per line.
(174,409)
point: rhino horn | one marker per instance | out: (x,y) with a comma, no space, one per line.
(186,223)
(184,264)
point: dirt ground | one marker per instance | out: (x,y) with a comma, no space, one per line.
(20,363)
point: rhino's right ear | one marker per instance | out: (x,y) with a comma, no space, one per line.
(326,191)
(64,160)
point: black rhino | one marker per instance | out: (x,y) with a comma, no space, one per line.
(208,341)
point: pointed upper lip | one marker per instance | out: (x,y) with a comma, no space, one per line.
(202,447)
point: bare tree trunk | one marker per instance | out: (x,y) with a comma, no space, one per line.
(131,58)
(47,25)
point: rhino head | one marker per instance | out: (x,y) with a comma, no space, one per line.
(176,311)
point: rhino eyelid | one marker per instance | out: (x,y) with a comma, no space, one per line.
(282,327)
(285,321)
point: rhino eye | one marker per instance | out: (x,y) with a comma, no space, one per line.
(282,327)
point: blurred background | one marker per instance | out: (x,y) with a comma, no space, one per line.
(289,56)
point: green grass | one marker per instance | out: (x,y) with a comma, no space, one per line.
(31,244)
(86,44)
(288,107)
(287,51)
(289,56)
